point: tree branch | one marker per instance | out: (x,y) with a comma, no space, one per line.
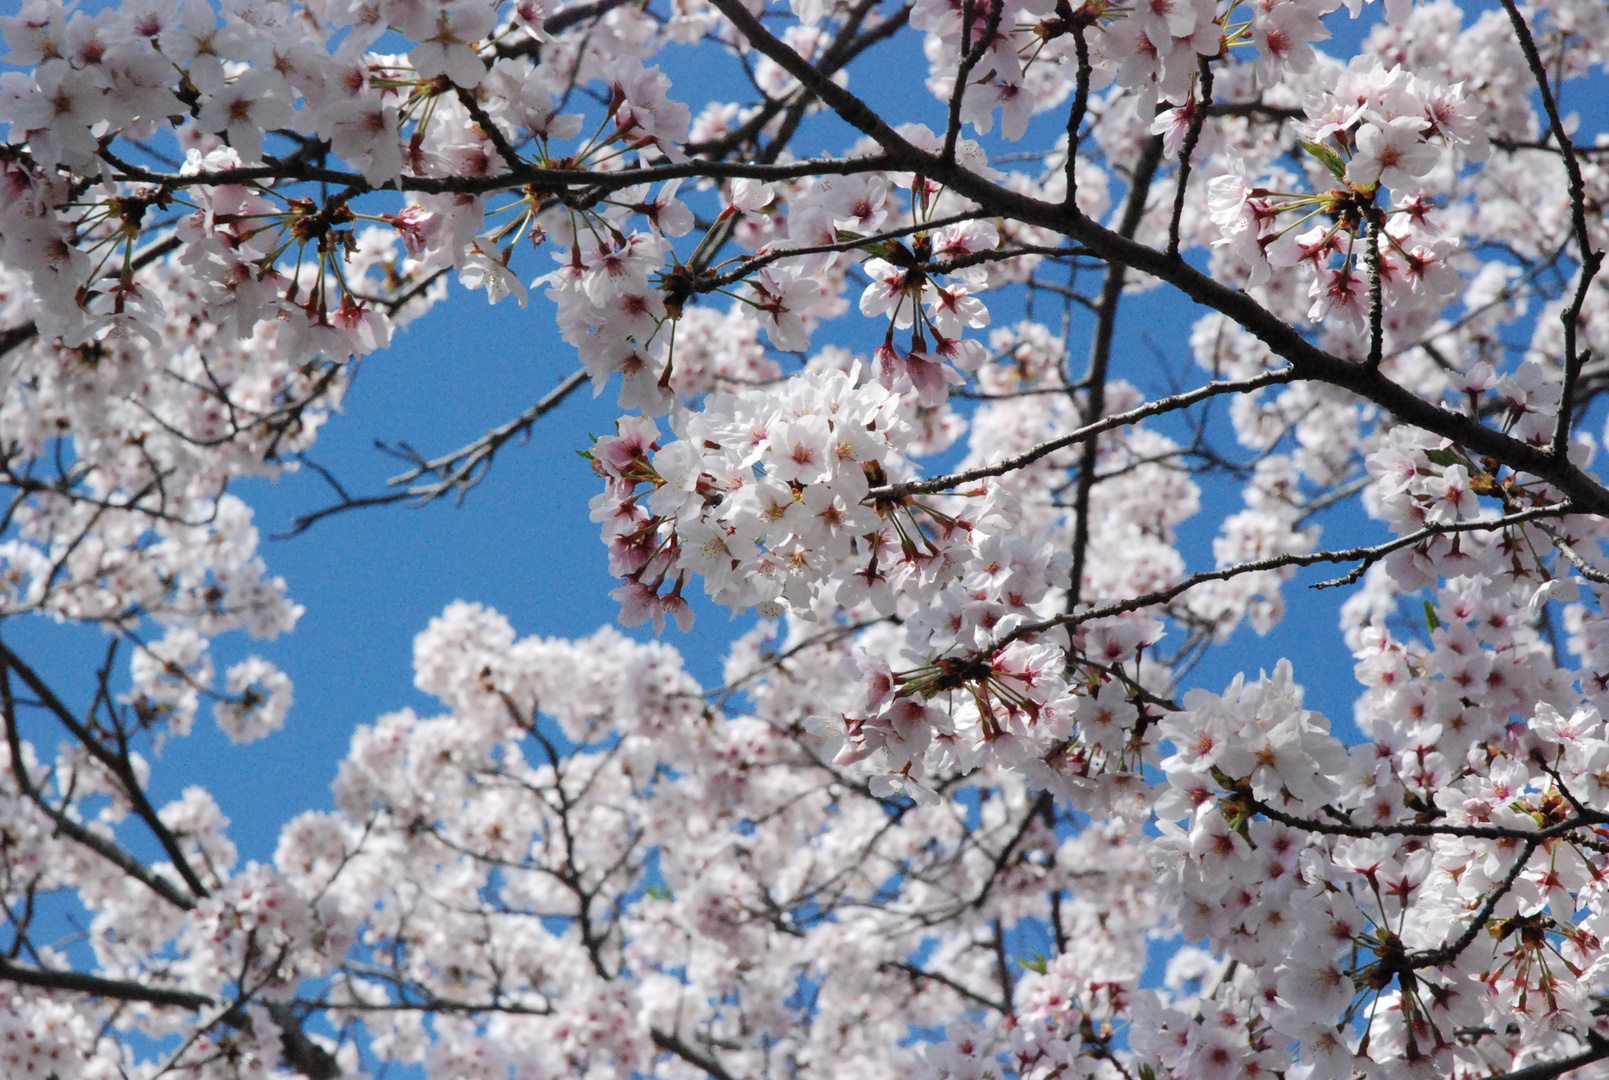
(917,973)
(103,847)
(1100,355)
(1087,431)
(460,470)
(1198,117)
(114,989)
(673,1044)
(1367,555)
(1597,1050)
(120,768)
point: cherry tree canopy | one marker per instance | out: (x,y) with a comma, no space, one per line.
(958,795)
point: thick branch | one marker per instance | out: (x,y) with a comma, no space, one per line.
(1425,829)
(673,1044)
(541,178)
(114,989)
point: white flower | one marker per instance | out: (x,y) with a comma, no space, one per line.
(485,268)
(1391,152)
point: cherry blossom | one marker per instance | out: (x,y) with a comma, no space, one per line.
(964,803)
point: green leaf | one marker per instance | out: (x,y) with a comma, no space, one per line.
(1331,160)
(1239,818)
(891,251)
(1430,617)
(1036,964)
(1445,457)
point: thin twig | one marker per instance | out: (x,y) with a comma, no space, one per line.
(1366,555)
(459,470)
(1088,431)
(1100,354)
(1198,117)
(1075,115)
